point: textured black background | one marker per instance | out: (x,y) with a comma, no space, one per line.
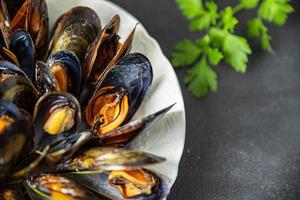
(244,141)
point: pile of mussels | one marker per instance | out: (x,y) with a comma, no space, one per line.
(66,108)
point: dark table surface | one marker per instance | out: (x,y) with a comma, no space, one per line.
(243,142)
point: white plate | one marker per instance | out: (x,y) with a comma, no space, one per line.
(167,139)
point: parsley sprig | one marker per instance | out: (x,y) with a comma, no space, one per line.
(220,42)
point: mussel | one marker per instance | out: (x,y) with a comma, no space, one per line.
(57,187)
(4,25)
(56,116)
(105,51)
(44,78)
(138,184)
(16,87)
(22,46)
(15,137)
(75,31)
(117,98)
(40,116)
(66,68)
(125,133)
(33,17)
(99,159)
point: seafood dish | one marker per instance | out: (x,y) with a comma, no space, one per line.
(67,100)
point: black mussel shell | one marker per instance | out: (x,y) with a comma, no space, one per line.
(134,73)
(7,55)
(16,137)
(56,116)
(75,31)
(4,25)
(124,134)
(23,47)
(55,187)
(64,149)
(19,90)
(128,82)
(44,79)
(100,184)
(38,29)
(70,64)
(102,51)
(32,16)
(7,67)
(93,160)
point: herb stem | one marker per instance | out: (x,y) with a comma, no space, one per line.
(238,8)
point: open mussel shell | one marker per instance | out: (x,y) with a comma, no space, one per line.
(119,95)
(33,17)
(139,184)
(103,50)
(22,46)
(104,53)
(6,54)
(75,31)
(19,90)
(57,187)
(66,68)
(4,25)
(37,22)
(64,149)
(16,137)
(124,134)
(7,68)
(44,79)
(56,116)
(98,159)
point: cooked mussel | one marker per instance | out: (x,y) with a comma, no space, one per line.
(99,159)
(4,25)
(7,55)
(105,52)
(44,79)
(75,31)
(65,148)
(16,87)
(56,116)
(57,187)
(138,184)
(22,46)
(16,138)
(33,17)
(119,95)
(66,68)
(125,133)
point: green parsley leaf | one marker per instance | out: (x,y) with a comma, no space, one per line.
(214,56)
(205,19)
(235,48)
(190,8)
(201,79)
(229,21)
(186,53)
(256,29)
(204,42)
(275,11)
(249,4)
(220,40)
